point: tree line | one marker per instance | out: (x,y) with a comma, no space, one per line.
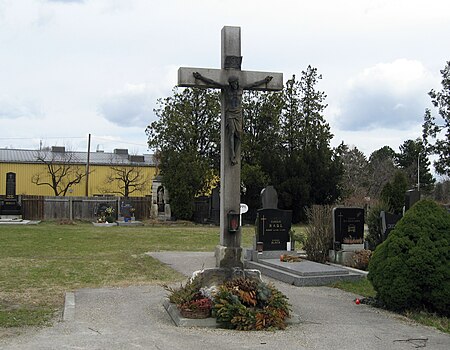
(286,143)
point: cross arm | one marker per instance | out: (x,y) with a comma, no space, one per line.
(252,80)
(217,78)
(214,78)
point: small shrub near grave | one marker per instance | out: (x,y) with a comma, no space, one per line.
(241,303)
(360,260)
(190,291)
(320,233)
(411,268)
(298,237)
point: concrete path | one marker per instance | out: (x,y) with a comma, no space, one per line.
(134,318)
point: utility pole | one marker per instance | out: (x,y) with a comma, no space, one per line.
(418,172)
(87,165)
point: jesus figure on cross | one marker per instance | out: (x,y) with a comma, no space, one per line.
(233,108)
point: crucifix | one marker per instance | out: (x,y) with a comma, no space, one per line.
(232,81)
(263,219)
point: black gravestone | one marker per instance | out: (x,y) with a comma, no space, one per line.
(10,185)
(273,226)
(388,222)
(411,197)
(348,225)
(10,205)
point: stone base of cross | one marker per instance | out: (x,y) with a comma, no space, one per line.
(232,81)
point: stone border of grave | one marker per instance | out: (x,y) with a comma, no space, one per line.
(18,222)
(129,223)
(104,224)
(181,321)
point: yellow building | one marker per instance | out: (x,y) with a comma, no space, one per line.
(45,172)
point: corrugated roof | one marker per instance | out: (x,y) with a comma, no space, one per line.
(8,155)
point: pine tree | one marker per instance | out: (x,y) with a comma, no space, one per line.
(186,139)
(436,131)
(413,160)
(309,171)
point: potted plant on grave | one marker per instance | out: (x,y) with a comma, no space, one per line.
(191,300)
(199,307)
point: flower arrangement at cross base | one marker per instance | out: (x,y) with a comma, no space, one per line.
(240,303)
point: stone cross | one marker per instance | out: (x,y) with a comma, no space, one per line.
(232,81)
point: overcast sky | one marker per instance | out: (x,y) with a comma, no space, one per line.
(73,67)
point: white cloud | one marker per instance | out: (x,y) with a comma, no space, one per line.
(74,59)
(132,106)
(368,141)
(68,1)
(390,95)
(12,108)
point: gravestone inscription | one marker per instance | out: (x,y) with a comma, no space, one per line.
(348,225)
(273,226)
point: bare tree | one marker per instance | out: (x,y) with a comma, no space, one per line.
(62,170)
(125,179)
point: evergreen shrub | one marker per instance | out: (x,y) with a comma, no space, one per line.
(411,268)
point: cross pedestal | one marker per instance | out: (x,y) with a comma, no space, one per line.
(232,81)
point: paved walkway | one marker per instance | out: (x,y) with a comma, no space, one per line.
(134,318)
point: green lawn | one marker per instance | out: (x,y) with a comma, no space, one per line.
(38,263)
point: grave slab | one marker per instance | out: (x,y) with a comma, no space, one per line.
(310,276)
(130,223)
(104,224)
(17,221)
(305,268)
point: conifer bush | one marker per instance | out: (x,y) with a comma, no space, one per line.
(411,268)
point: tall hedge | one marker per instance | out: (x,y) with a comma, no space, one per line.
(411,268)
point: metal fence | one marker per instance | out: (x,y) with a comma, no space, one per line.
(79,208)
